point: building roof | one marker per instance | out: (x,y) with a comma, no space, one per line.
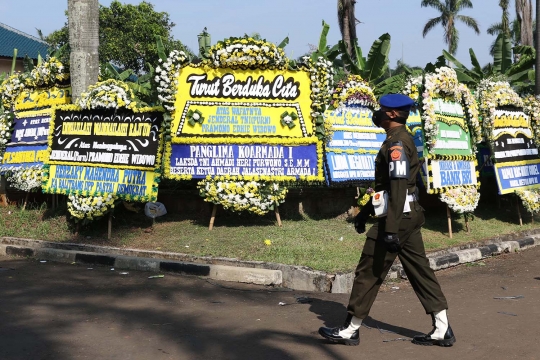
(11,38)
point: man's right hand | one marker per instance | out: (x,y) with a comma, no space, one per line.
(360,223)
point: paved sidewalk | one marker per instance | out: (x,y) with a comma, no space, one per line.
(61,311)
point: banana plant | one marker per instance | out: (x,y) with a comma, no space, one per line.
(519,74)
(395,84)
(502,54)
(28,64)
(205,44)
(161,48)
(323,50)
(374,66)
(522,74)
(140,85)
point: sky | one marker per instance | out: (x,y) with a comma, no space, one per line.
(300,20)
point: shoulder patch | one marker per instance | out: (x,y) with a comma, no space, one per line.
(398,163)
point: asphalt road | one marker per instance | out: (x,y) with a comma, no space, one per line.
(58,311)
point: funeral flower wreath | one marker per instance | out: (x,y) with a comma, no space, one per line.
(248,53)
(6,121)
(350,95)
(235,194)
(353,92)
(492,94)
(109,94)
(443,84)
(242,54)
(45,75)
(25,179)
(531,107)
(88,208)
(530,199)
(322,82)
(463,199)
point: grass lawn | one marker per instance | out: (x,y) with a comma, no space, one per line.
(324,244)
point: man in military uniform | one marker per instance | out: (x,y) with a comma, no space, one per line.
(397,232)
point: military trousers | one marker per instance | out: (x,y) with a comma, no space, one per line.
(375,262)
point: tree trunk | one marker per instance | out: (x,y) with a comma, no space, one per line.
(347,25)
(83,21)
(524,15)
(537,85)
(346,32)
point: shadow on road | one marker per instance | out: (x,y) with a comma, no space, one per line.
(60,312)
(333,314)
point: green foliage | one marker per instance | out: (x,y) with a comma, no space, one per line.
(28,64)
(205,43)
(502,54)
(142,86)
(441,61)
(127,35)
(323,50)
(160,48)
(396,83)
(376,64)
(522,73)
(519,74)
(284,43)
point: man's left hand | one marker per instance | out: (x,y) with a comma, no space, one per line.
(391,242)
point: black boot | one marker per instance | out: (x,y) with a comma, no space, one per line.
(435,337)
(332,334)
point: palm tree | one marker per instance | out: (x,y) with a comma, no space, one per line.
(347,24)
(524,16)
(504,26)
(83,21)
(449,15)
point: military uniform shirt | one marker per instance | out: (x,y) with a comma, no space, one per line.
(396,168)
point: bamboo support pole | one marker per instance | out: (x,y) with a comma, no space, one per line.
(109,226)
(449,216)
(278,218)
(519,213)
(25,201)
(213,218)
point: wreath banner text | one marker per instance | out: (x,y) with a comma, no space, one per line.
(71,179)
(243,102)
(263,160)
(106,138)
(521,175)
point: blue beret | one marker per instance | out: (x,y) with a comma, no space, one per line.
(395,101)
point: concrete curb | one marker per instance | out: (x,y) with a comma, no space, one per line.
(216,272)
(445,259)
(293,277)
(255,272)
